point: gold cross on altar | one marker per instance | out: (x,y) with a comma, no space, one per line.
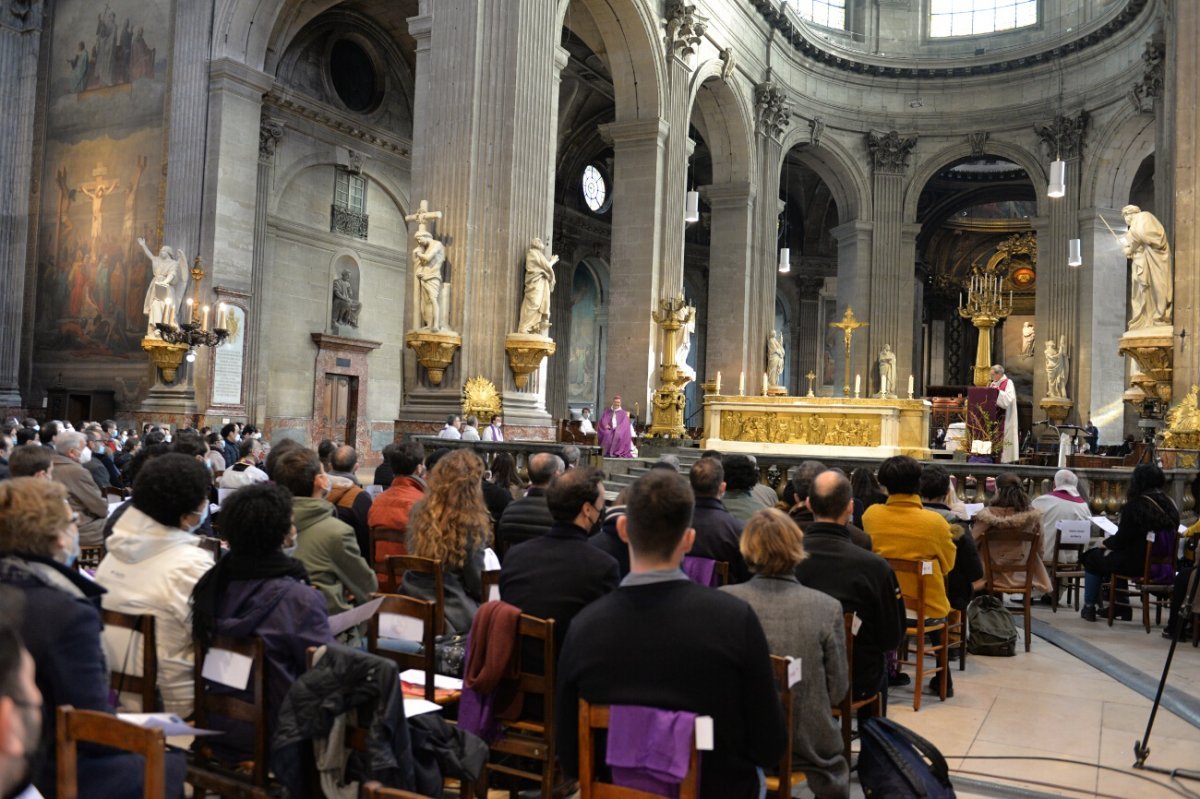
(423,216)
(848,325)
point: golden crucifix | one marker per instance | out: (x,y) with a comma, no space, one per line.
(848,325)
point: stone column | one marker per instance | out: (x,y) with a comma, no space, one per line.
(269,134)
(854,240)
(889,309)
(1100,381)
(1058,292)
(1185,107)
(773,112)
(186,119)
(634,287)
(483,154)
(729,280)
(807,336)
(20,35)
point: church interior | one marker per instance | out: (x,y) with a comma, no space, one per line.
(786,228)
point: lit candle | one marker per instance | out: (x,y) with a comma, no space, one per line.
(191,314)
(857,384)
(741,384)
(204,324)
(1010,299)
(883,385)
(910,386)
(766,384)
(718,382)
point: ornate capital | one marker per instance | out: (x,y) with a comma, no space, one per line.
(978,141)
(23,15)
(685,28)
(772,109)
(1063,137)
(890,150)
(1144,92)
(269,134)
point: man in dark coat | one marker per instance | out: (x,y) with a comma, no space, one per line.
(528,517)
(718,532)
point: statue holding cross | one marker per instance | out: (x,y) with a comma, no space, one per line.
(429,256)
(848,325)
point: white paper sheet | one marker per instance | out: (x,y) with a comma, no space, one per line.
(374,490)
(855,624)
(704,733)
(491,562)
(793,671)
(343,621)
(417,677)
(403,628)
(415,707)
(169,723)
(224,494)
(1074,531)
(927,567)
(1104,524)
(493,593)
(227,668)
(973,508)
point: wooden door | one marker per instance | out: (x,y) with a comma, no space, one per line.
(341,408)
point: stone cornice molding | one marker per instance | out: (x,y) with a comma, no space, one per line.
(1063,137)
(327,116)
(814,50)
(239,77)
(728,195)
(890,150)
(639,131)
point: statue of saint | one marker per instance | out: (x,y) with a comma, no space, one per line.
(887,370)
(1028,334)
(345,306)
(1146,246)
(685,344)
(428,257)
(1058,364)
(775,354)
(539,283)
(169,278)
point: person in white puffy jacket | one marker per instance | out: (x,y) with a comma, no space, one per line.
(153,562)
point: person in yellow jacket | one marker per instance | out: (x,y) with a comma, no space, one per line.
(904,529)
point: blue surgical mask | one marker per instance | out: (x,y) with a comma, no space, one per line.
(290,551)
(199,524)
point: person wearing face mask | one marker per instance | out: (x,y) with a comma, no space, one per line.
(61,630)
(20,711)
(71,454)
(153,562)
(258,590)
(325,545)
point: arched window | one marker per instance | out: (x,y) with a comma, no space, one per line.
(827,13)
(974,17)
(595,189)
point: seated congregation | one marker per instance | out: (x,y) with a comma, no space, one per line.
(300,609)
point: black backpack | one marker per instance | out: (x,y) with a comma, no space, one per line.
(992,631)
(896,763)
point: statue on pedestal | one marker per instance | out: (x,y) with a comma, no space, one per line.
(166,287)
(775,355)
(1151,287)
(685,347)
(1058,364)
(345,306)
(428,257)
(887,370)
(539,283)
(1028,336)
(433,341)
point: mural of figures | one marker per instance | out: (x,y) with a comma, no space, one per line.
(581,375)
(102,172)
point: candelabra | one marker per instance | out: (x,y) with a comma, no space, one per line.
(984,304)
(195,332)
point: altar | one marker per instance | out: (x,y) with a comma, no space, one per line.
(818,426)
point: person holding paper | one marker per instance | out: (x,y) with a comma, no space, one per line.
(258,590)
(1147,510)
(1062,504)
(807,625)
(1007,402)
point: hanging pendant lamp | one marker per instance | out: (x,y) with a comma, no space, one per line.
(1074,253)
(1058,178)
(691,209)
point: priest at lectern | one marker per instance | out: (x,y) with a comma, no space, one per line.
(1007,402)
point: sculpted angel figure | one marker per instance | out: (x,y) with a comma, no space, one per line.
(166,287)
(539,283)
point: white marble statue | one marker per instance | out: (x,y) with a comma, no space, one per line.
(1058,364)
(539,284)
(1028,335)
(887,370)
(166,287)
(684,350)
(1151,287)
(775,355)
(428,257)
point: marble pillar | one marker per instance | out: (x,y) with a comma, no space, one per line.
(854,240)
(1100,372)
(497,68)
(1185,105)
(270,132)
(20,36)
(729,280)
(764,266)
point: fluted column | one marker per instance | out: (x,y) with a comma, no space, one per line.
(1185,105)
(854,276)
(730,290)
(187,118)
(773,116)
(20,34)
(1100,373)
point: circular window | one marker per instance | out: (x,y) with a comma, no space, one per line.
(595,189)
(353,75)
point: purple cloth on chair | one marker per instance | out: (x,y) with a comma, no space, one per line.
(649,749)
(700,570)
(1163,547)
(476,711)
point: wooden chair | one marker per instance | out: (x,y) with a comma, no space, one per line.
(212,545)
(397,565)
(375,790)
(91,726)
(849,706)
(491,583)
(595,717)
(206,773)
(528,739)
(780,783)
(1061,572)
(956,632)
(1000,576)
(1152,592)
(378,535)
(90,557)
(915,604)
(420,610)
(120,680)
(119,494)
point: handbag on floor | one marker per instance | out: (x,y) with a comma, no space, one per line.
(896,763)
(992,631)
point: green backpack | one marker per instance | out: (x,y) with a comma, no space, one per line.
(992,631)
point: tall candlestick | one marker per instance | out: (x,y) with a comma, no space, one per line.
(204,324)
(910,386)
(883,385)
(857,384)
(766,384)
(191,312)
(718,382)
(741,384)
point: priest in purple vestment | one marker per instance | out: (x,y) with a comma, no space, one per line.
(615,431)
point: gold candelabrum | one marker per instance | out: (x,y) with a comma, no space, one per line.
(673,314)
(984,304)
(175,342)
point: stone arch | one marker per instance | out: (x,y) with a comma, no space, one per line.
(283,178)
(928,167)
(255,32)
(838,167)
(632,36)
(728,123)
(1120,149)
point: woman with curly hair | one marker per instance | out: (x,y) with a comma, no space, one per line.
(452,526)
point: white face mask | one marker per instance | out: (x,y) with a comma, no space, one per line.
(85,455)
(199,524)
